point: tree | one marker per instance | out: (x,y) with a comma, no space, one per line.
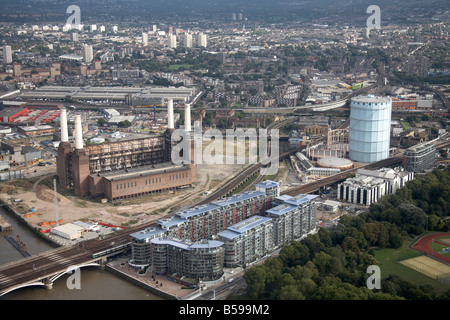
(124,124)
(294,254)
(375,234)
(350,244)
(101,121)
(291,292)
(255,277)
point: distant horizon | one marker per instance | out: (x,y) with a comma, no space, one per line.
(331,12)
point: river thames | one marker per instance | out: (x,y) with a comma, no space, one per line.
(95,284)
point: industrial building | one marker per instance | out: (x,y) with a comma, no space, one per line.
(369,130)
(131,95)
(368,186)
(420,157)
(9,114)
(121,169)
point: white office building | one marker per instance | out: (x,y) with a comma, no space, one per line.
(368,186)
(172,41)
(201,40)
(88,54)
(144,38)
(7,55)
(187,40)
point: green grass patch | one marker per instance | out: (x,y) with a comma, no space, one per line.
(389,259)
(176,67)
(405,125)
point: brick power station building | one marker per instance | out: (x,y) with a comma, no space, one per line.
(123,169)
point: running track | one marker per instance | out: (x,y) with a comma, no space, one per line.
(423,245)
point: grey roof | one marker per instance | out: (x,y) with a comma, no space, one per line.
(186,245)
(238,198)
(248,224)
(239,228)
(196,210)
(300,199)
(169,222)
(146,233)
(267,184)
(148,170)
(281,209)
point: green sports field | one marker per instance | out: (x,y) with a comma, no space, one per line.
(389,259)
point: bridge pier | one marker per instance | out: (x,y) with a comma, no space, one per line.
(102,263)
(48,283)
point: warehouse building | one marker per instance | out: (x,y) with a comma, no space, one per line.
(9,114)
(69,231)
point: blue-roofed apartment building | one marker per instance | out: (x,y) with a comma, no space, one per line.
(202,260)
(247,241)
(247,225)
(293,218)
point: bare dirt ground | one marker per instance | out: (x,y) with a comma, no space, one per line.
(136,211)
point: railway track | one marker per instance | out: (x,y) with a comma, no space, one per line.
(313,186)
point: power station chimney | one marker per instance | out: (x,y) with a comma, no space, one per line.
(170,122)
(187,117)
(63,124)
(78,133)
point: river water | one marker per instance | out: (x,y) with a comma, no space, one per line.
(95,284)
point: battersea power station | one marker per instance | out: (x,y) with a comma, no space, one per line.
(122,169)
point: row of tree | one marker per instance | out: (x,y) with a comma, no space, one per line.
(332,264)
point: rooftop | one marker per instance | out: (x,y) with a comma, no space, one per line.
(300,199)
(238,198)
(140,171)
(149,232)
(267,184)
(185,214)
(281,209)
(243,226)
(186,245)
(371,99)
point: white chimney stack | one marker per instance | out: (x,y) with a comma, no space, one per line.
(63,124)
(187,117)
(78,133)
(170,121)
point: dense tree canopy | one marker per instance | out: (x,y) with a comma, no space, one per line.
(332,264)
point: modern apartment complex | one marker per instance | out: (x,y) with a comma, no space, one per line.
(420,157)
(243,227)
(247,241)
(198,260)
